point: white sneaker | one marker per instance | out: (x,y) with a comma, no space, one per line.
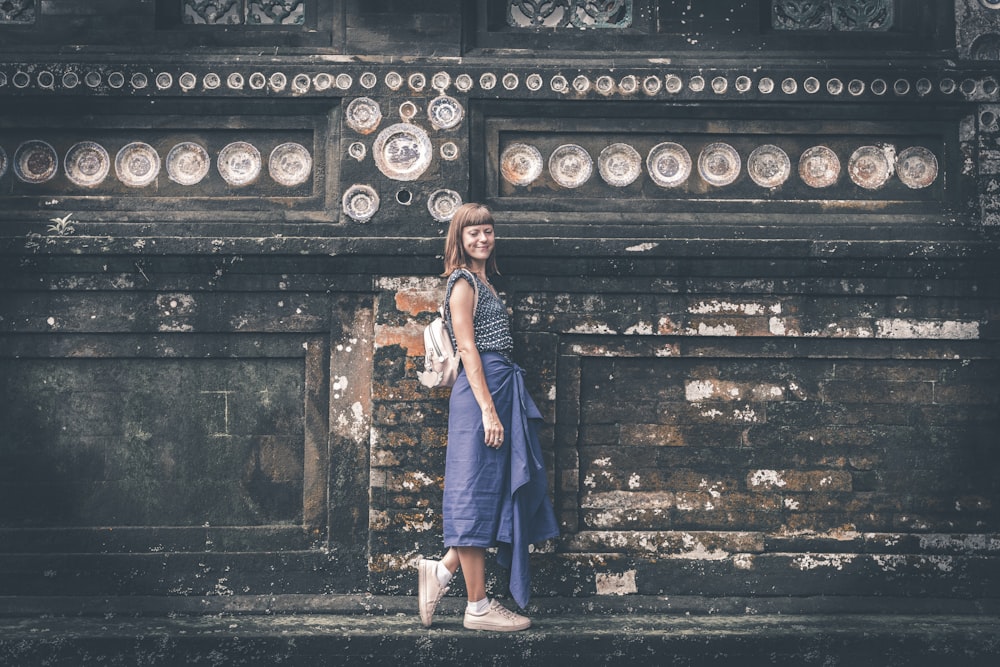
(497,618)
(429,590)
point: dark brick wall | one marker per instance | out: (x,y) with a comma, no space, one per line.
(715,435)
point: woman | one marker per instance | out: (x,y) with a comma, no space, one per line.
(494,481)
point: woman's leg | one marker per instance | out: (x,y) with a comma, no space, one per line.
(451,560)
(473,561)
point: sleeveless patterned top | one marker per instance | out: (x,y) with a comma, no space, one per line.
(490,321)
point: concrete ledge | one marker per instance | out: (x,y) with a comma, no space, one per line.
(584,631)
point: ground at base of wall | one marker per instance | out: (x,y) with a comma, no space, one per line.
(581,631)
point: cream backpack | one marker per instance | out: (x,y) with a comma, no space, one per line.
(441,359)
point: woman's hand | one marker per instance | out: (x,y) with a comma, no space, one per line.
(492,429)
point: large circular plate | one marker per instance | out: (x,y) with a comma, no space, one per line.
(719,164)
(290,164)
(137,164)
(668,164)
(445,112)
(402,151)
(239,163)
(870,167)
(443,203)
(769,166)
(619,164)
(916,166)
(360,202)
(87,164)
(187,163)
(35,161)
(363,115)
(521,164)
(570,165)
(819,167)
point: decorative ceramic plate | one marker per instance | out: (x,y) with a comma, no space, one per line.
(570,165)
(668,164)
(869,167)
(402,151)
(290,164)
(3,162)
(916,166)
(449,150)
(407,110)
(188,163)
(819,167)
(239,163)
(357,150)
(445,112)
(394,80)
(440,81)
(521,164)
(363,115)
(719,164)
(443,203)
(137,164)
(463,82)
(35,161)
(87,164)
(769,166)
(619,164)
(360,202)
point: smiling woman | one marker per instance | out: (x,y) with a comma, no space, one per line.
(494,482)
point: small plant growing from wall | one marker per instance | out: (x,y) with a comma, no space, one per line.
(61,226)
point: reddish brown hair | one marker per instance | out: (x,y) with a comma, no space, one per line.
(466,215)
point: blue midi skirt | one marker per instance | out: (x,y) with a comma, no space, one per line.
(497,497)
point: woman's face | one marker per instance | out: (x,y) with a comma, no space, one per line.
(478,242)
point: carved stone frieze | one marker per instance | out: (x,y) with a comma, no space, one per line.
(244,12)
(17,12)
(845,15)
(569,13)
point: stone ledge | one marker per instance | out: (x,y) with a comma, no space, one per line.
(366,604)
(578,630)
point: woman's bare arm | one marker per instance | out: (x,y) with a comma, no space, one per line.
(461,304)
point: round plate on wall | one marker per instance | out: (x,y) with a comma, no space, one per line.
(290,164)
(87,164)
(619,164)
(187,163)
(819,167)
(239,163)
(137,164)
(570,165)
(521,164)
(719,164)
(916,166)
(769,166)
(360,202)
(870,166)
(668,164)
(402,151)
(35,161)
